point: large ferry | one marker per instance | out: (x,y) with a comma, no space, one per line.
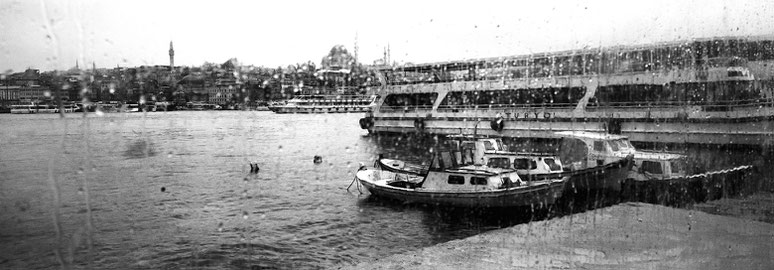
(40,108)
(324,104)
(716,91)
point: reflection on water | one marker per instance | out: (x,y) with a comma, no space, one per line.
(212,211)
(140,148)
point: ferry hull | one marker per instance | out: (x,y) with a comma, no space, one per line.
(695,131)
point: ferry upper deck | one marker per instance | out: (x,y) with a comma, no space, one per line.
(718,91)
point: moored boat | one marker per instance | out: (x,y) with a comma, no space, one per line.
(665,178)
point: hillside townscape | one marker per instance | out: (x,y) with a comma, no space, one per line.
(227,85)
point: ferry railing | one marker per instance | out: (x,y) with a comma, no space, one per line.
(455,108)
(724,105)
(405,108)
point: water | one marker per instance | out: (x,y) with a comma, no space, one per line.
(174,189)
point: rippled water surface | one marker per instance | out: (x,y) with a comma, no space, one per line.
(174,189)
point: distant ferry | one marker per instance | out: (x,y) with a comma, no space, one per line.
(40,108)
(716,91)
(324,104)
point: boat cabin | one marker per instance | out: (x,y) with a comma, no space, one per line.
(582,150)
(451,170)
(658,166)
(525,163)
(493,153)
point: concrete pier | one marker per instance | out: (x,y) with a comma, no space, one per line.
(624,236)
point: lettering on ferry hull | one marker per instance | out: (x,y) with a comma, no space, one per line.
(529,115)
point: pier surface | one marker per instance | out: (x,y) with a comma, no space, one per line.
(624,236)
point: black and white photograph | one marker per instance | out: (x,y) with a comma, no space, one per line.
(343,134)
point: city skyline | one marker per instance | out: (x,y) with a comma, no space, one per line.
(50,35)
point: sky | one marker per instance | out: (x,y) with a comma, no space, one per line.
(53,35)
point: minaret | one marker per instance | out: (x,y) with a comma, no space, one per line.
(356,48)
(171,57)
(388,54)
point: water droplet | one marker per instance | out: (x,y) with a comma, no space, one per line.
(244,215)
(80,191)
(80,170)
(220,226)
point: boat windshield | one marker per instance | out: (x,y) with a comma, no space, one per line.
(613,145)
(552,164)
(501,163)
(489,146)
(678,165)
(524,164)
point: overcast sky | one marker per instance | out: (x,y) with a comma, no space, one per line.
(54,34)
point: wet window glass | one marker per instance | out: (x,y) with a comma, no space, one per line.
(502,163)
(524,164)
(652,167)
(488,146)
(478,181)
(613,145)
(321,134)
(456,180)
(552,164)
(599,146)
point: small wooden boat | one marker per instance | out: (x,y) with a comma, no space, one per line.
(451,181)
(468,186)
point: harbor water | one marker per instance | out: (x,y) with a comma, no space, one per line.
(175,190)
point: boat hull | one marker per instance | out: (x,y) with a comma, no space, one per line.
(607,179)
(687,189)
(531,195)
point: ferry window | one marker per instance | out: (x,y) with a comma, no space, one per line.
(651,167)
(501,163)
(599,146)
(456,180)
(478,181)
(524,164)
(552,164)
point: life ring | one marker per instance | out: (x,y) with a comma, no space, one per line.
(497,124)
(366,123)
(419,124)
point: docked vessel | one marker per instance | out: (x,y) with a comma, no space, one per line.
(665,178)
(451,182)
(710,91)
(487,161)
(324,104)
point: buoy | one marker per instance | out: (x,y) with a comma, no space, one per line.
(163,189)
(317,159)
